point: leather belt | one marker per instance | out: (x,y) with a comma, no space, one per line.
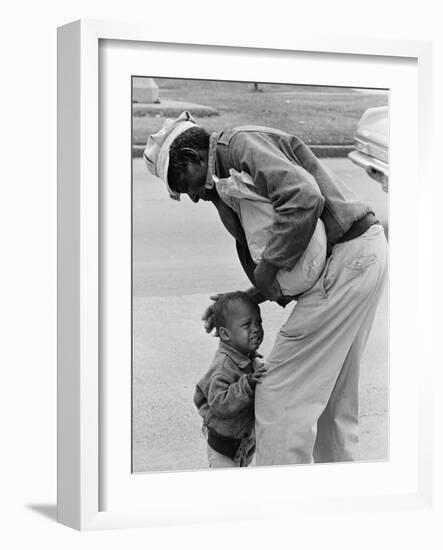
(359,227)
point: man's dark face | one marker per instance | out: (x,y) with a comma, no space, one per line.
(192,181)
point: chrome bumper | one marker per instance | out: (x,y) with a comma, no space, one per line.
(369,163)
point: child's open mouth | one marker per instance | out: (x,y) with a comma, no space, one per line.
(255,341)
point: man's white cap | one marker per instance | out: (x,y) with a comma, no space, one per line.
(156,154)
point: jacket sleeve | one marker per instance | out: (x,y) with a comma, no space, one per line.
(295,197)
(199,397)
(226,400)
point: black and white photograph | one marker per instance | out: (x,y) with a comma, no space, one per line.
(283,317)
(260,328)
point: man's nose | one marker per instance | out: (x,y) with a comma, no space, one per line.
(194,197)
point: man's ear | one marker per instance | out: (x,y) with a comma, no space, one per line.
(190,154)
(224,334)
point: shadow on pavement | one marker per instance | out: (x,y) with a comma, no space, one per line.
(48,511)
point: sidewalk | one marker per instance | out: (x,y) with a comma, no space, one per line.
(166,424)
(171,108)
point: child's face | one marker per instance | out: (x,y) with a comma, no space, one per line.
(245,330)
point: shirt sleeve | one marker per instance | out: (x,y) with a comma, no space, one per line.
(295,197)
(227,400)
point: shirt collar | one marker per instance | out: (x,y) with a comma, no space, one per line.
(209,182)
(242,361)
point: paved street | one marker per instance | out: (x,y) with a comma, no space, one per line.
(181,255)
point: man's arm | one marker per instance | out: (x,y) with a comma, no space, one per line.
(249,267)
(294,194)
(265,279)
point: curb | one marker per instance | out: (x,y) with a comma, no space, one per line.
(320,151)
(172,109)
(328,151)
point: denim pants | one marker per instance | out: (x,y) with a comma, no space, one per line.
(307,406)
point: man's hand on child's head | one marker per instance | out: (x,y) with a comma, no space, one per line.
(208,315)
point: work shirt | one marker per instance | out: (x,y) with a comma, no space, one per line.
(224,396)
(300,188)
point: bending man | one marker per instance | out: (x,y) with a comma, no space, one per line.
(307,406)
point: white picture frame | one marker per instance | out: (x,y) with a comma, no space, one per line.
(79,293)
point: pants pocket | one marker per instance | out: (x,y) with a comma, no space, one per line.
(366,253)
(362,262)
(329,273)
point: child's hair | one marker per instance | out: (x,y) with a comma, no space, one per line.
(195,138)
(222,304)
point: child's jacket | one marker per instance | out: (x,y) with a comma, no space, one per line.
(224,396)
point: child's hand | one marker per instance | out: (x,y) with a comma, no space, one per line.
(259,371)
